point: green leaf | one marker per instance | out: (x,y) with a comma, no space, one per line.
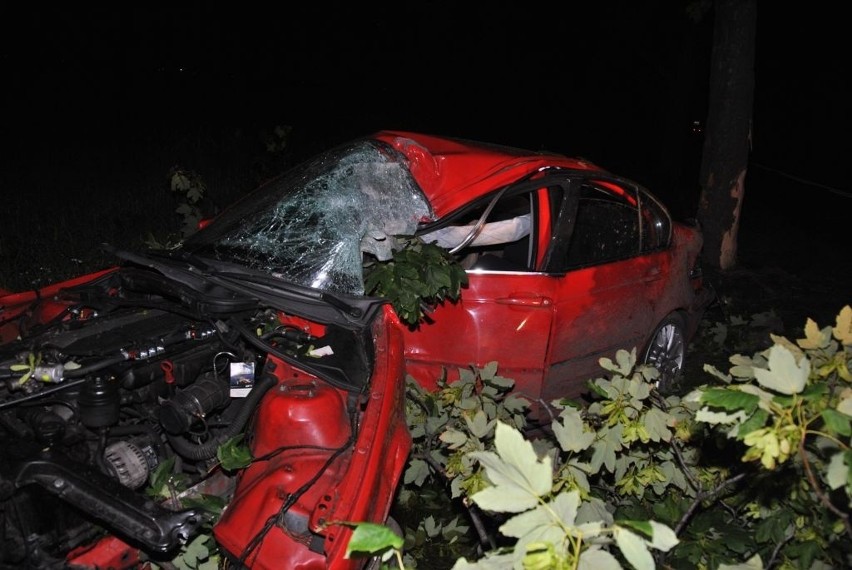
(623,365)
(478,425)
(372,538)
(213,504)
(233,455)
(753,563)
(418,274)
(159,479)
(663,537)
(642,526)
(838,472)
(806,552)
(606,448)
(195,194)
(626,361)
(756,421)
(180,181)
(417,472)
(194,554)
(489,370)
(570,431)
(453,438)
(773,529)
(656,423)
(837,422)
(596,559)
(730,399)
(518,476)
(547,523)
(634,548)
(784,374)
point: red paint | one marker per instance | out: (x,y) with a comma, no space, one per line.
(302,434)
(108,553)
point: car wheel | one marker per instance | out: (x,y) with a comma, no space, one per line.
(666,351)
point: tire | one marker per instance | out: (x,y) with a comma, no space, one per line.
(666,351)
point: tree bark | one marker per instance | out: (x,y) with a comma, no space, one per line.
(728,134)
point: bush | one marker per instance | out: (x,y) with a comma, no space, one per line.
(750,471)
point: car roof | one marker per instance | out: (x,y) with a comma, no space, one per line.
(453,172)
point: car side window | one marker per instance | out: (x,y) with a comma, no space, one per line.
(502,235)
(606,226)
(656,224)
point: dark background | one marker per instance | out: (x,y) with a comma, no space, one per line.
(101,101)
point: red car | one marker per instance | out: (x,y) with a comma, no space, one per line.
(258,327)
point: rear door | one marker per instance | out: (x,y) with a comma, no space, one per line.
(607,281)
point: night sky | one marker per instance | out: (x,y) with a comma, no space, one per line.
(87,87)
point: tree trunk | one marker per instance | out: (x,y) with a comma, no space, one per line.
(728,134)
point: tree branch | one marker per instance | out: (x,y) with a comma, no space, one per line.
(704,496)
(684,467)
(818,491)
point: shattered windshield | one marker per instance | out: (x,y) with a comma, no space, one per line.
(312,226)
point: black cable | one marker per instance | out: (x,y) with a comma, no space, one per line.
(256,541)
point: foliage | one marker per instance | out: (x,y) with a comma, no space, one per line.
(456,419)
(417,278)
(789,408)
(375,539)
(233,454)
(553,526)
(750,471)
(173,490)
(190,189)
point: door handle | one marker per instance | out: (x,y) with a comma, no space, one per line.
(525,300)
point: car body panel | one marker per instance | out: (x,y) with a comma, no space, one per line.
(500,316)
(546,326)
(301,426)
(453,172)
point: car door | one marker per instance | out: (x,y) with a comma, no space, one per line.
(605,283)
(505,313)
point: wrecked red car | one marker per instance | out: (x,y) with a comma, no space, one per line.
(258,329)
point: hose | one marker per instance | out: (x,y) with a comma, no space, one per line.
(207,450)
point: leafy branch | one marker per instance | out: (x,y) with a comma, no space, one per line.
(419,277)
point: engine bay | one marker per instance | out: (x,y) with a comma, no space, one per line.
(110,380)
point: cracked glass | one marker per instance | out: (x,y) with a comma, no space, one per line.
(313,225)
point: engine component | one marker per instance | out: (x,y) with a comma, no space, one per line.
(193,403)
(132,514)
(99,401)
(130,462)
(47,425)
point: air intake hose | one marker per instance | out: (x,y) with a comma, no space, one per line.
(207,450)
